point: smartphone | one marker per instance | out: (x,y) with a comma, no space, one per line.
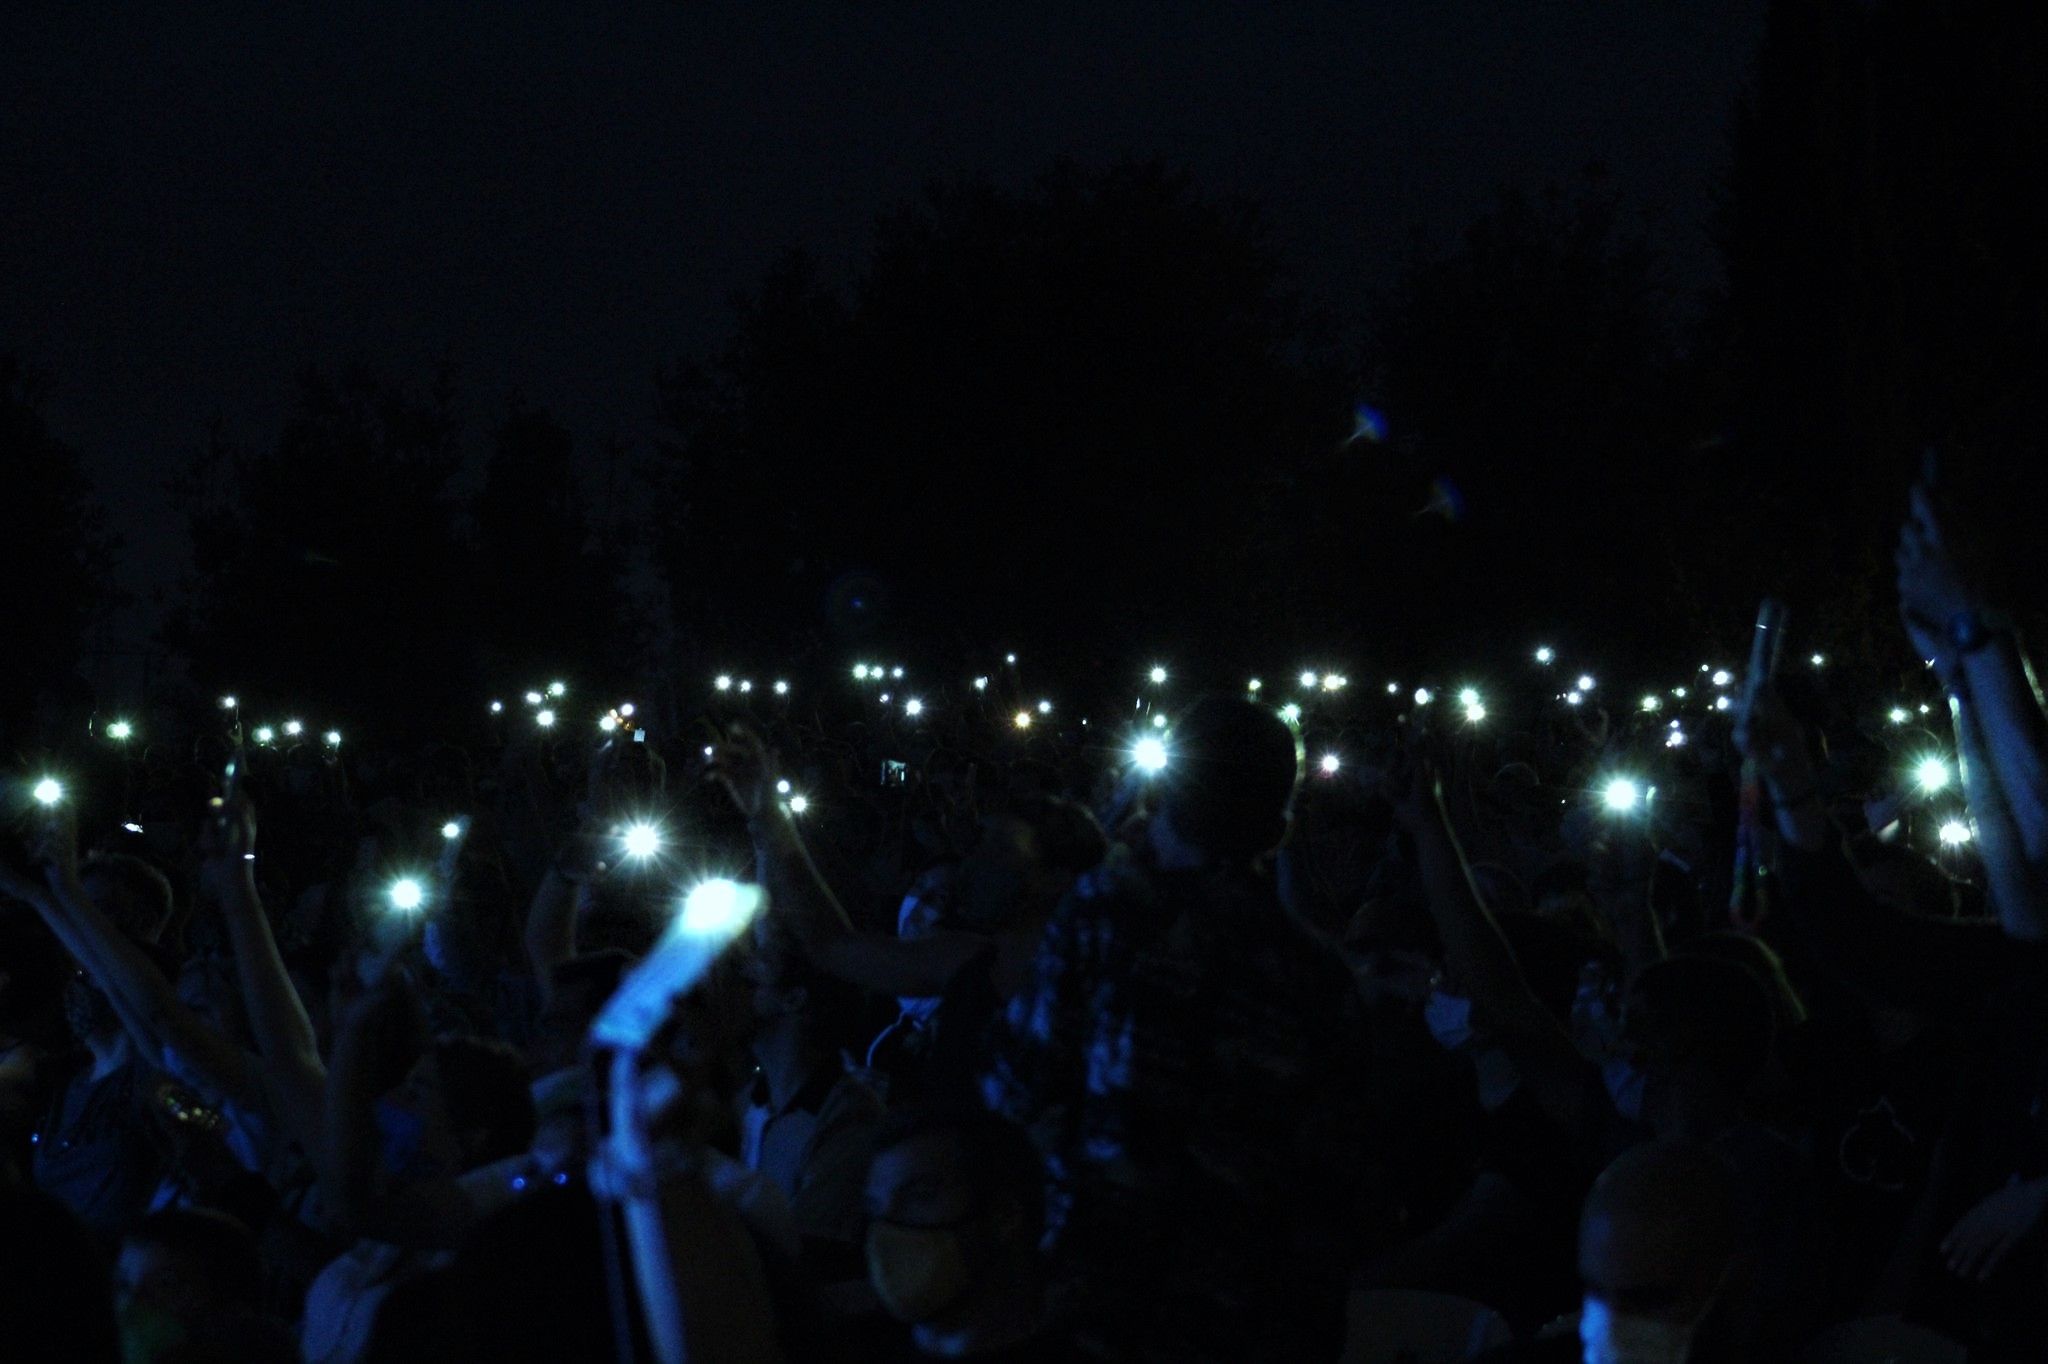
(895,773)
(683,957)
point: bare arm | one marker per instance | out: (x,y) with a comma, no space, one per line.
(1484,964)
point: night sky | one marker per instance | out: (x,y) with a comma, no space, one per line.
(562,197)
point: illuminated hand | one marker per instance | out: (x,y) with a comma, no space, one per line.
(1988,1232)
(742,765)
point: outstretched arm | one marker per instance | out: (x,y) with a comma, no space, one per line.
(1485,965)
(167,1033)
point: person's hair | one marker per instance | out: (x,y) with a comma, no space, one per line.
(1714,1014)
(486,1088)
(143,903)
(529,1281)
(997,1157)
(1757,957)
(222,1248)
(1069,838)
(1232,778)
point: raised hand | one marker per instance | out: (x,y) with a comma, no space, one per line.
(1772,738)
(742,764)
(227,841)
(1979,1243)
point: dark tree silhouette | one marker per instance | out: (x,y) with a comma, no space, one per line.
(329,568)
(56,558)
(1052,415)
(547,594)
(1888,288)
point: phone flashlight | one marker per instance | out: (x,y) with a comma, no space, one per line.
(1158,675)
(640,840)
(1621,795)
(406,895)
(797,805)
(1932,774)
(120,730)
(1150,755)
(1954,833)
(48,791)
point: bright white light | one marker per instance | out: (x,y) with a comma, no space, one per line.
(1819,660)
(1586,682)
(546,719)
(718,907)
(133,828)
(896,673)
(883,698)
(558,689)
(1159,722)
(707,750)
(746,686)
(1545,655)
(1653,703)
(1393,688)
(1723,703)
(48,791)
(641,841)
(781,689)
(1309,680)
(1335,682)
(981,684)
(1291,713)
(534,698)
(1468,697)
(120,729)
(1923,708)
(1722,677)
(1149,754)
(860,672)
(1572,698)
(1423,696)
(1254,686)
(1010,659)
(1898,715)
(913,707)
(1954,833)
(1045,707)
(608,723)
(228,703)
(625,707)
(294,728)
(1678,692)
(407,895)
(722,682)
(1022,719)
(1158,675)
(1621,795)
(1932,774)
(782,787)
(1474,713)
(264,734)
(452,830)
(497,707)
(1676,739)
(1330,763)
(797,805)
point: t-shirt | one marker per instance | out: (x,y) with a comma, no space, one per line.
(99,1151)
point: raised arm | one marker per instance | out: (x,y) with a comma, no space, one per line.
(1483,962)
(166,1032)
(284,1031)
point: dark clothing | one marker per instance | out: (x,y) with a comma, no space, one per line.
(1197,1067)
(99,1151)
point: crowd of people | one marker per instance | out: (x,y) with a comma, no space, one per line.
(1289,1020)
